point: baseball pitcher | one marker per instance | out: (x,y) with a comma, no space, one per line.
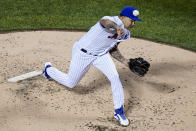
(95,48)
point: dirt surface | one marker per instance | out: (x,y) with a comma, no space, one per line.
(163,100)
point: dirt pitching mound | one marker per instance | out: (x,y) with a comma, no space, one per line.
(162,100)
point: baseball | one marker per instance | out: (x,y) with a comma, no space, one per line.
(135,12)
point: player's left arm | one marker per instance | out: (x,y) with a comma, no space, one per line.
(115,53)
(138,66)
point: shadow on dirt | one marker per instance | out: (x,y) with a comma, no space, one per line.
(129,80)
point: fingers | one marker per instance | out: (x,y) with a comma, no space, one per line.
(120,33)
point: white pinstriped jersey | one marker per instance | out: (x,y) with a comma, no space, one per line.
(99,40)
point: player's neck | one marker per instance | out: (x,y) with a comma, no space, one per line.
(121,18)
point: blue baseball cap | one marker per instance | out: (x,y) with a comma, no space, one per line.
(131,12)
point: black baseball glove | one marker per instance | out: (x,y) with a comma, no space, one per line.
(139,66)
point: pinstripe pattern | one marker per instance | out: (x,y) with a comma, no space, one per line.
(79,65)
(107,67)
(95,41)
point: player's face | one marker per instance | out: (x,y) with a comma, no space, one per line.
(128,23)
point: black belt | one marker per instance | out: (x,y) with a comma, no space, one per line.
(85,51)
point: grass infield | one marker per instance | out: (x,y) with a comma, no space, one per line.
(168,21)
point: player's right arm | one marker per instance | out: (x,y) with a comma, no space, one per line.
(110,24)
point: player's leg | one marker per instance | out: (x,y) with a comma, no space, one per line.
(79,65)
(106,65)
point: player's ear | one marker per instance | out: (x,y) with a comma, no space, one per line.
(121,17)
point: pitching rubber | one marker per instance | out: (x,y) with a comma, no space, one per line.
(25,76)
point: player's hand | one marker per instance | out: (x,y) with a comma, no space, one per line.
(120,32)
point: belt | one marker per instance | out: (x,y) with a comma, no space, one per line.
(85,51)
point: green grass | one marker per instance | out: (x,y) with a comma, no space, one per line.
(169,21)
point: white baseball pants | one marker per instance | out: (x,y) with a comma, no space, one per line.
(81,63)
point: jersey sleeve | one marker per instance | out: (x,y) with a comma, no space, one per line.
(109,18)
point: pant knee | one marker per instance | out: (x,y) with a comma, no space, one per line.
(71,85)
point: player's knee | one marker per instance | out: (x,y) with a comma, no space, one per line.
(71,85)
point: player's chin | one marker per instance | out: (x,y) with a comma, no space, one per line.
(131,26)
(128,28)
